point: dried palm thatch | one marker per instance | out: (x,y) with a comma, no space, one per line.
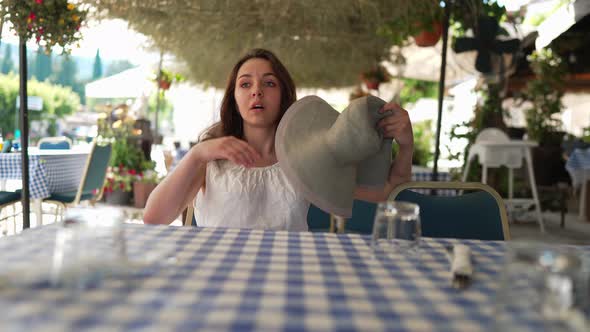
(323,43)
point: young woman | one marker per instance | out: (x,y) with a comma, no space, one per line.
(234,172)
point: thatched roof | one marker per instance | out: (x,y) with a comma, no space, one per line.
(323,43)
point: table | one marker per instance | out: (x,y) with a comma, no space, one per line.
(420,173)
(50,171)
(230,279)
(578,166)
(509,153)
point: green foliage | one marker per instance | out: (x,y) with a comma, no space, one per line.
(416,17)
(166,108)
(49,22)
(97,67)
(43,65)
(57,101)
(413,90)
(67,73)
(423,143)
(466,13)
(7,62)
(544,93)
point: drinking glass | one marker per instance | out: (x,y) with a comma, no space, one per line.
(396,227)
(90,245)
(542,286)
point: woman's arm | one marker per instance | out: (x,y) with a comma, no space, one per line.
(171,196)
(396,126)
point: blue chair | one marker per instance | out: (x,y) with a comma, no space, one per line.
(319,221)
(91,185)
(9,198)
(479,214)
(54,143)
(361,220)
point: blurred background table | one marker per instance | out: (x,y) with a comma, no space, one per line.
(50,171)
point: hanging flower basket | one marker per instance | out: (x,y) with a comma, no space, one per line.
(371,84)
(164,85)
(50,22)
(429,37)
(374,77)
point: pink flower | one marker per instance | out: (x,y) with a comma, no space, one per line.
(39,1)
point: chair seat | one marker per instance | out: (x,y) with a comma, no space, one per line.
(68,197)
(7,197)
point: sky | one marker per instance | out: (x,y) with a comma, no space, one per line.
(113,37)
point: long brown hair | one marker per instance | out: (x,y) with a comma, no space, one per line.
(231,123)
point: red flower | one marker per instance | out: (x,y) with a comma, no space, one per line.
(132,172)
(122,185)
(32,16)
(39,1)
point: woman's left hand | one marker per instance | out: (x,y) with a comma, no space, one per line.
(397,125)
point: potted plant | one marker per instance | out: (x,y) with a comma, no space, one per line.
(544,93)
(118,185)
(144,183)
(165,79)
(375,76)
(420,19)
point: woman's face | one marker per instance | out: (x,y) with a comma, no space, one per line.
(258,94)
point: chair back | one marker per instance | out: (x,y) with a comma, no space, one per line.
(479,214)
(96,170)
(55,143)
(362,218)
(318,220)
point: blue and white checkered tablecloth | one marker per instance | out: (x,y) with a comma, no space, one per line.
(48,172)
(427,176)
(578,166)
(236,280)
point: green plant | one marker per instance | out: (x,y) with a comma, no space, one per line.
(544,93)
(423,141)
(58,102)
(411,20)
(165,79)
(50,22)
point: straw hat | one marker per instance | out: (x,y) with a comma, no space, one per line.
(326,155)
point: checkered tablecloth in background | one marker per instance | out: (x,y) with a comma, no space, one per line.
(49,172)
(427,176)
(578,166)
(228,279)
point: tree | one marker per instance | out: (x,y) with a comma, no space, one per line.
(118,66)
(43,66)
(97,68)
(7,63)
(67,74)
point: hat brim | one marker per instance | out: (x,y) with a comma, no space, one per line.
(306,161)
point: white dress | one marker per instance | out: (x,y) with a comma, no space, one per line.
(255,198)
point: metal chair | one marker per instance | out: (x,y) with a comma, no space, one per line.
(478,214)
(91,185)
(9,198)
(54,143)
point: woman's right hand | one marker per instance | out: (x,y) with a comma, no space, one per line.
(230,148)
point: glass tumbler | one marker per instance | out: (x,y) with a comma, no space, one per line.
(397,227)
